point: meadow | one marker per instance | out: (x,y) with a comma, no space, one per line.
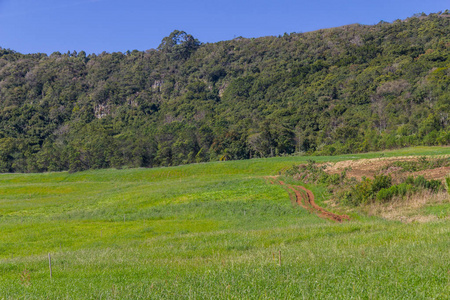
(208,231)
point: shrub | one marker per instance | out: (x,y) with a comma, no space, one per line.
(409,180)
(361,192)
(381,182)
(386,194)
(333,179)
(383,195)
(404,188)
(434,185)
(420,181)
(393,191)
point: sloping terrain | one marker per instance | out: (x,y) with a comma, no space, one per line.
(402,188)
(214,230)
(305,198)
(362,88)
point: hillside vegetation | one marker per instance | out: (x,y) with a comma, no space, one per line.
(209,231)
(350,89)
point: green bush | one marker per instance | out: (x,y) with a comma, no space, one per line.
(404,188)
(381,182)
(383,195)
(433,185)
(420,181)
(386,194)
(333,179)
(409,180)
(361,192)
(393,190)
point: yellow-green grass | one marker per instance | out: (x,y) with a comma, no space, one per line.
(210,230)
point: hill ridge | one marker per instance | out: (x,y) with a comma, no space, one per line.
(332,91)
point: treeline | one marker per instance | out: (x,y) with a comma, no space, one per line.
(349,89)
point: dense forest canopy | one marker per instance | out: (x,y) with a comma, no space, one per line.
(349,89)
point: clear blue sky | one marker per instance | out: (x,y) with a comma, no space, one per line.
(30,26)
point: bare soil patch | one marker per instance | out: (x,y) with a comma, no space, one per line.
(437,173)
(371,167)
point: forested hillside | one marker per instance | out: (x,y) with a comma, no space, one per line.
(349,89)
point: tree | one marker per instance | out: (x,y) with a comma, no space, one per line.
(179,45)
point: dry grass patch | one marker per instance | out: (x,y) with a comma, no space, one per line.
(370,167)
(410,208)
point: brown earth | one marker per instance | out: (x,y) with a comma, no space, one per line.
(305,199)
(438,173)
(370,167)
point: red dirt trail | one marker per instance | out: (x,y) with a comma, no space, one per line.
(305,198)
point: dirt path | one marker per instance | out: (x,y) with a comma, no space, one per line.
(305,198)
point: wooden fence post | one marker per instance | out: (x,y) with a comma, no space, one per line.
(50,265)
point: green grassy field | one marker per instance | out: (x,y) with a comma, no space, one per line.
(209,231)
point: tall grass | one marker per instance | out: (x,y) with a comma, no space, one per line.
(205,231)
